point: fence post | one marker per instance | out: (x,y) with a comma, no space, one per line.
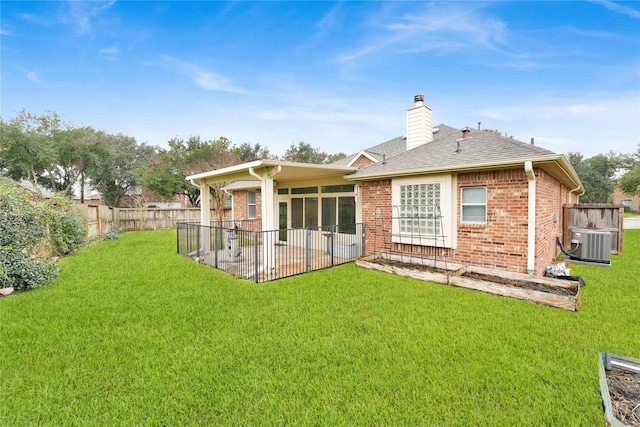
(216,244)
(307,254)
(363,226)
(331,251)
(255,256)
(178,238)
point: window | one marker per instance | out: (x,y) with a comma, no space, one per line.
(297,217)
(304,212)
(628,203)
(251,204)
(348,188)
(347,214)
(339,211)
(423,210)
(328,211)
(304,190)
(474,204)
(420,209)
(310,212)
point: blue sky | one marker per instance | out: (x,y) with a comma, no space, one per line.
(338,75)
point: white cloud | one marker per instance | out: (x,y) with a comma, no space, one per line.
(619,8)
(82,13)
(439,28)
(591,123)
(112,50)
(200,77)
(33,76)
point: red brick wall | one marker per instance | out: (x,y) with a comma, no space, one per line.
(362,161)
(619,196)
(376,214)
(241,204)
(500,243)
(550,196)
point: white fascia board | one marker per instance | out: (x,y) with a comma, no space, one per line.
(560,159)
(362,153)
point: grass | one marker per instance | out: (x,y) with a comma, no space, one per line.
(133,334)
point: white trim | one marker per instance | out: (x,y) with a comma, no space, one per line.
(531,235)
(361,154)
(447,210)
(462,204)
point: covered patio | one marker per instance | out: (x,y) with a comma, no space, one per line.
(298,205)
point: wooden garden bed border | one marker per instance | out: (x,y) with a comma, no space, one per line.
(453,274)
(605,361)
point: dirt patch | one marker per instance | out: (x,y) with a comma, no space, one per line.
(494,279)
(624,391)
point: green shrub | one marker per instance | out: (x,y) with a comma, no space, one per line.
(21,270)
(20,225)
(65,225)
(113,233)
(23,239)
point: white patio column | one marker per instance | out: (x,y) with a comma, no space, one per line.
(268,218)
(205,217)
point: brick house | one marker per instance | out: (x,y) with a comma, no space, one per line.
(630,202)
(474,196)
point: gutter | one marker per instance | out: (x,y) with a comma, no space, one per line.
(531,223)
(463,167)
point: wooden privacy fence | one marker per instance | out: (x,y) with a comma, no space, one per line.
(100,219)
(594,216)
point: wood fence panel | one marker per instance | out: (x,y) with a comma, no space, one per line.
(100,219)
(594,216)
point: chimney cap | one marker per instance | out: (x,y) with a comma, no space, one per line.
(418,98)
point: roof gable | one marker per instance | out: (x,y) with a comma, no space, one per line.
(479,147)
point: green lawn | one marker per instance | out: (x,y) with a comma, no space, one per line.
(133,334)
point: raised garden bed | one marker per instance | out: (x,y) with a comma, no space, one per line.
(552,292)
(620,389)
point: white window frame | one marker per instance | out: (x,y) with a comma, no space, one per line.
(463,204)
(254,204)
(447,238)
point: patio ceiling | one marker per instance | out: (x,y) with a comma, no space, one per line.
(284,170)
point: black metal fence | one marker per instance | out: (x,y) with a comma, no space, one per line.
(261,256)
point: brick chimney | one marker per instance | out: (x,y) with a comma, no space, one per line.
(419,126)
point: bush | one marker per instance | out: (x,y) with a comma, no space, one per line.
(23,240)
(113,233)
(20,225)
(21,270)
(65,225)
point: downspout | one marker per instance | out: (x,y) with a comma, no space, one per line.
(255,175)
(531,232)
(577,195)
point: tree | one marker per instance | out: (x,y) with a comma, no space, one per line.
(27,149)
(116,168)
(166,174)
(304,153)
(629,183)
(245,152)
(597,174)
(216,154)
(335,157)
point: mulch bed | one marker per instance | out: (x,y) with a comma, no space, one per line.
(624,391)
(501,280)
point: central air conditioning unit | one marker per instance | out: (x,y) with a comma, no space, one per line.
(592,246)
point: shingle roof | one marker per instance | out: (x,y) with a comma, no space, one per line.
(479,147)
(387,149)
